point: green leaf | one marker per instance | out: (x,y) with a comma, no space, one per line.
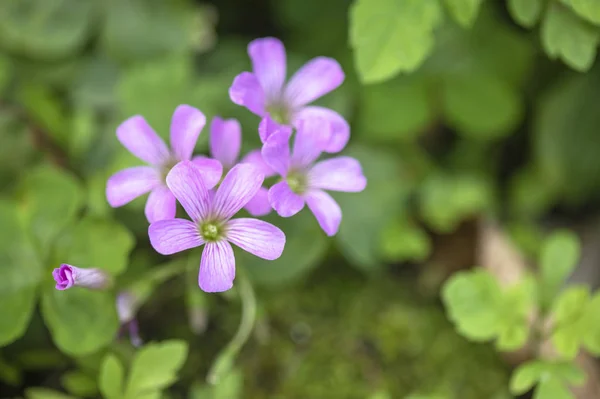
(50,201)
(5,72)
(401,241)
(79,384)
(383,394)
(94,85)
(20,273)
(481,105)
(230,387)
(45,109)
(564,141)
(569,314)
(526,12)
(81,321)
(472,300)
(569,372)
(155,89)
(464,11)
(45,29)
(126,35)
(479,93)
(301,232)
(512,337)
(16,152)
(558,258)
(516,306)
(529,195)
(591,338)
(526,376)
(445,201)
(391,36)
(367,213)
(566,37)
(552,377)
(100,243)
(42,359)
(45,393)
(482,310)
(111,377)
(10,374)
(586,9)
(155,367)
(83,131)
(399,109)
(552,388)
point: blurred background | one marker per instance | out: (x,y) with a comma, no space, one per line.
(477,127)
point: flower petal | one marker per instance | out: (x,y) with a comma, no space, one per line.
(311,137)
(340,129)
(211,170)
(255,158)
(186,125)
(338,174)
(217,267)
(246,91)
(259,204)
(258,237)
(285,202)
(64,277)
(316,78)
(225,140)
(186,182)
(128,184)
(174,235)
(268,64)
(142,141)
(237,189)
(276,152)
(268,126)
(326,210)
(161,205)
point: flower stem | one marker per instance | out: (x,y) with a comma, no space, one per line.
(224,362)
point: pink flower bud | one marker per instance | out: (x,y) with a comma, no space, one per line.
(67,276)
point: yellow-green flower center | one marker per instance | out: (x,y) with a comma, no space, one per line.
(296,181)
(279,113)
(211,231)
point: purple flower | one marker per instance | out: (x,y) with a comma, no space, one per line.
(302,182)
(212,225)
(225,145)
(126,308)
(263,91)
(142,141)
(66,276)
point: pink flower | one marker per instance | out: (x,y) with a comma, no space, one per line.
(225,144)
(304,181)
(67,276)
(264,92)
(211,223)
(142,141)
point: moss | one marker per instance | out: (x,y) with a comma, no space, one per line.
(342,337)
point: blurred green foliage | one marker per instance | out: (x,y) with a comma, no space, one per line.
(460,109)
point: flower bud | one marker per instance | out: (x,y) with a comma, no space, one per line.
(126,308)
(66,276)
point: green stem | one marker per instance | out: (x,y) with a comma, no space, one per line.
(144,287)
(224,362)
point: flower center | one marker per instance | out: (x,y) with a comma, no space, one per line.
(279,113)
(296,181)
(211,231)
